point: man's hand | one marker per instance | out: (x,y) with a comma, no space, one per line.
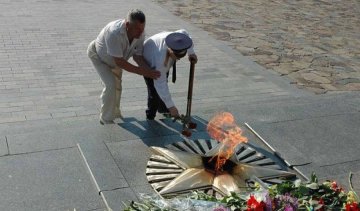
(174,112)
(193,58)
(154,74)
(143,70)
(148,73)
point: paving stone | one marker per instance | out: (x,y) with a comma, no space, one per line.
(169,127)
(337,172)
(353,86)
(102,165)
(57,87)
(309,137)
(245,50)
(317,90)
(87,112)
(144,190)
(51,180)
(285,68)
(328,87)
(287,110)
(54,139)
(348,80)
(3,146)
(63,114)
(131,157)
(38,116)
(266,59)
(315,78)
(12,119)
(279,34)
(118,199)
(131,129)
(165,127)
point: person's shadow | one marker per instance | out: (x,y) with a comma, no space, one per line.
(162,132)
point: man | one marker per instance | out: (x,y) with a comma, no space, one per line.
(161,51)
(117,42)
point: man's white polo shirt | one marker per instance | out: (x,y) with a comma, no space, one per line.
(113,42)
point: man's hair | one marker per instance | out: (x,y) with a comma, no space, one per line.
(135,15)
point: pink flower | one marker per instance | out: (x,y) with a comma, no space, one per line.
(288,208)
(221,208)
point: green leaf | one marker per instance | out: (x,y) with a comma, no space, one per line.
(313,178)
(301,191)
(285,187)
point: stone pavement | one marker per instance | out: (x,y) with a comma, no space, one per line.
(54,155)
(314,43)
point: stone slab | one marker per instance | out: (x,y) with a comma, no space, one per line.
(48,124)
(143,190)
(130,129)
(295,109)
(337,172)
(131,157)
(116,198)
(53,138)
(101,164)
(323,141)
(3,146)
(51,180)
(166,126)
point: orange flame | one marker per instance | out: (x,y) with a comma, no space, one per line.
(222,127)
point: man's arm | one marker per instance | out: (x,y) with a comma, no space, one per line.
(162,88)
(123,64)
(140,60)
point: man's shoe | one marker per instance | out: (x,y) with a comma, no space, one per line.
(117,114)
(105,122)
(150,118)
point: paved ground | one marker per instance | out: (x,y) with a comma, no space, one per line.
(54,155)
(314,43)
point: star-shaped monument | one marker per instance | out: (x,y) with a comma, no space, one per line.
(197,175)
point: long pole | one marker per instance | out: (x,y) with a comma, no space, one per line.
(190,89)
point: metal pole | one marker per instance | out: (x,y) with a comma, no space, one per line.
(276,153)
(190,89)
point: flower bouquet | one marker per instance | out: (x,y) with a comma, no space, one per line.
(287,196)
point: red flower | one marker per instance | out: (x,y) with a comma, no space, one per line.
(254,205)
(322,203)
(335,187)
(352,207)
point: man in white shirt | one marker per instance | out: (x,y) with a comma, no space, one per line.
(117,42)
(161,51)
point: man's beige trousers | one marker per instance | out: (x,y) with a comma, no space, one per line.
(111,94)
